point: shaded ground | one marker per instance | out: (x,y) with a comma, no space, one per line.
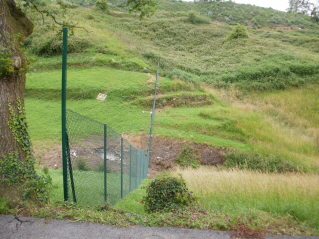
(163,152)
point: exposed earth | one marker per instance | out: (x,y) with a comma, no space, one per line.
(163,153)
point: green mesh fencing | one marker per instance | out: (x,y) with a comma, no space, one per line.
(102,166)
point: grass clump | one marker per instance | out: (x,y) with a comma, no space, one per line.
(166,195)
(239,31)
(182,75)
(197,19)
(81,165)
(188,157)
(262,163)
(4,206)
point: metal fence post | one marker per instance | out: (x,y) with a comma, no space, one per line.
(64,139)
(105,164)
(136,167)
(122,158)
(130,179)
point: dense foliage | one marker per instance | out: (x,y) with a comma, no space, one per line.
(263,163)
(166,195)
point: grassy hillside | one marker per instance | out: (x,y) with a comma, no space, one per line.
(256,93)
(249,90)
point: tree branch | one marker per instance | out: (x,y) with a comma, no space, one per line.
(54,18)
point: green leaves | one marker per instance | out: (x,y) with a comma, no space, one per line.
(16,171)
(167,194)
(146,7)
(6,64)
(238,31)
(19,127)
(12,169)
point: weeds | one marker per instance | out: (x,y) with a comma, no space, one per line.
(262,163)
(4,206)
(188,157)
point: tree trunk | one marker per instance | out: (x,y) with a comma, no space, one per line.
(15,26)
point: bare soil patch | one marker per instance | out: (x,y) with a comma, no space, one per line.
(163,153)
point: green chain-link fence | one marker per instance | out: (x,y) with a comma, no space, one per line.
(98,164)
(102,166)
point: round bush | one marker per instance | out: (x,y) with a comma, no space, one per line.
(167,194)
(238,31)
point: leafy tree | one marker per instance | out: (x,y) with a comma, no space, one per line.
(305,7)
(300,6)
(315,14)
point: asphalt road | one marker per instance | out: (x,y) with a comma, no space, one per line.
(12,227)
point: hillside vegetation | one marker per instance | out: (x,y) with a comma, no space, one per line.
(238,78)
(252,92)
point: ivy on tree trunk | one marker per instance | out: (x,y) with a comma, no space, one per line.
(15,26)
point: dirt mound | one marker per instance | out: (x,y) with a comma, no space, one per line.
(165,150)
(163,153)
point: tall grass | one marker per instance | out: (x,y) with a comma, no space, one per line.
(292,194)
(280,123)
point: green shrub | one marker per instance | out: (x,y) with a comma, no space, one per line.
(167,194)
(102,5)
(22,173)
(239,31)
(303,69)
(188,157)
(196,19)
(52,45)
(263,163)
